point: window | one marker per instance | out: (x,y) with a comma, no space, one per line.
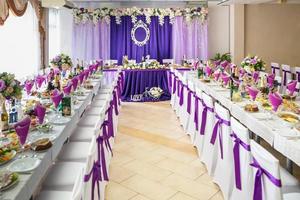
(54,33)
(20,44)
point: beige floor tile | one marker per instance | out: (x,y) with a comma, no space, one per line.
(207,180)
(181,196)
(217,196)
(147,170)
(189,187)
(139,197)
(115,191)
(119,173)
(151,189)
(181,168)
(120,159)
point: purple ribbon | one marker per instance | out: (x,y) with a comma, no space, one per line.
(181,98)
(96,177)
(257,195)
(179,83)
(274,69)
(204,117)
(298,75)
(118,93)
(284,76)
(109,112)
(115,103)
(170,78)
(189,100)
(174,84)
(196,119)
(101,140)
(218,129)
(236,154)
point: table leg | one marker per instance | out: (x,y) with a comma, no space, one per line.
(289,165)
(257,139)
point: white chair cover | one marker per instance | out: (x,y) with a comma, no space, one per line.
(174,86)
(179,86)
(245,171)
(208,152)
(275,69)
(191,129)
(183,114)
(224,156)
(198,139)
(286,74)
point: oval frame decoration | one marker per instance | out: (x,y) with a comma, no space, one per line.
(137,25)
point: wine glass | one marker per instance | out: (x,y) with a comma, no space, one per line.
(22,130)
(56,99)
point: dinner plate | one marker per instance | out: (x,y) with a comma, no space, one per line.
(12,154)
(9,181)
(24,165)
(60,121)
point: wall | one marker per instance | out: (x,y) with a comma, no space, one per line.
(218,30)
(272,32)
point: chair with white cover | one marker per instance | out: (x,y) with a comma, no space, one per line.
(280,87)
(242,172)
(183,103)
(168,61)
(198,138)
(274,180)
(297,73)
(178,92)
(173,84)
(223,144)
(275,69)
(286,74)
(206,129)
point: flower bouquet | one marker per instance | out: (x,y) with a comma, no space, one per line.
(62,61)
(10,88)
(253,63)
(222,58)
(156,92)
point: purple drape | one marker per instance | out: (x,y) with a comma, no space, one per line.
(91,41)
(189,39)
(158,47)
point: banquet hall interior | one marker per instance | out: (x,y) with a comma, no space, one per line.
(149,100)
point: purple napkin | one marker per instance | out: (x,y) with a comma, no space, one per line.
(225,78)
(81,76)
(39,80)
(242,72)
(270,80)
(255,76)
(67,89)
(22,129)
(28,86)
(217,75)
(55,92)
(208,71)
(40,112)
(86,74)
(224,64)
(252,92)
(56,99)
(75,82)
(291,86)
(276,100)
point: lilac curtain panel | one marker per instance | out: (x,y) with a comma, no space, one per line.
(158,47)
(91,41)
(189,39)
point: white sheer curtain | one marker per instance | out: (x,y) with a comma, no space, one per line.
(20,44)
(54,33)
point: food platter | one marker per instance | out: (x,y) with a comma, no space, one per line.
(288,117)
(8,179)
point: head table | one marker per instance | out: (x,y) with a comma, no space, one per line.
(30,182)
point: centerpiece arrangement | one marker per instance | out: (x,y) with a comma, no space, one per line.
(62,61)
(253,63)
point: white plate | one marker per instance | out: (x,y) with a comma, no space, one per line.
(60,121)
(24,165)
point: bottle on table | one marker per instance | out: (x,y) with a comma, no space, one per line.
(4,117)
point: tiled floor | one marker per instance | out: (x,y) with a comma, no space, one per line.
(154,160)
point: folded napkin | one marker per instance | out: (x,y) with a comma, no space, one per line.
(225,78)
(40,112)
(275,100)
(81,76)
(56,99)
(216,75)
(291,86)
(39,80)
(252,92)
(270,80)
(22,129)
(67,89)
(208,71)
(224,64)
(74,82)
(28,86)
(255,76)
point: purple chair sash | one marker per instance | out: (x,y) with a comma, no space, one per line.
(170,78)
(274,69)
(109,112)
(218,129)
(196,119)
(179,83)
(96,177)
(189,100)
(101,140)
(284,76)
(115,102)
(298,75)
(236,155)
(174,84)
(181,98)
(257,195)
(204,117)
(118,93)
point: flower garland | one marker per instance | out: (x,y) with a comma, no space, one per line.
(83,15)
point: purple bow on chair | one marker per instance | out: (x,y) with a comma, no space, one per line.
(196,119)
(118,93)
(257,195)
(181,98)
(204,117)
(189,100)
(95,173)
(218,129)
(170,79)
(101,140)
(179,83)
(274,69)
(115,102)
(174,84)
(236,155)
(109,112)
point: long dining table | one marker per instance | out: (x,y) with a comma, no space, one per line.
(29,183)
(281,135)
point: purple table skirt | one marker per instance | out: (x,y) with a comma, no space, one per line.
(138,83)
